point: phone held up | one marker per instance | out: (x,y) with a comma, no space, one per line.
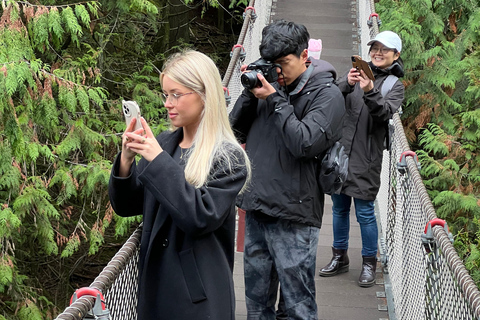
(360,64)
(131,110)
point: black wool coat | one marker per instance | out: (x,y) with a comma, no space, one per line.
(187,247)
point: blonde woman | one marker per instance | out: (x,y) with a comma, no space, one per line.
(185,187)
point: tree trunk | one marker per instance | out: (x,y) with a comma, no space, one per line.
(178,19)
(221,15)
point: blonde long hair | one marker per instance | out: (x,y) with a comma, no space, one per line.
(214,140)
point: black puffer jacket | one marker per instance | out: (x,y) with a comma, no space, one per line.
(364,130)
(283,134)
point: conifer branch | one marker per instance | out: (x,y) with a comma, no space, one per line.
(47,6)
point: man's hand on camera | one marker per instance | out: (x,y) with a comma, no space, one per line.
(265,90)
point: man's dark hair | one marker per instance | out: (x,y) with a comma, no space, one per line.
(281,38)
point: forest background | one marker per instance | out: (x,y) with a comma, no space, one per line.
(65,67)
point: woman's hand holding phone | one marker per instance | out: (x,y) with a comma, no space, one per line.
(355,76)
(365,83)
(141,141)
(128,155)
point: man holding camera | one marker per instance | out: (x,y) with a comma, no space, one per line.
(286,125)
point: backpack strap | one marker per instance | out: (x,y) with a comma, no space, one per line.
(388,84)
(386,87)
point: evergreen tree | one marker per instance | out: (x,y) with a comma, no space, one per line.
(442,114)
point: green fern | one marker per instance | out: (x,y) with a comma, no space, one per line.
(82,13)
(433,140)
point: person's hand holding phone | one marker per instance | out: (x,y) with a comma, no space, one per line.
(141,141)
(361,73)
(355,76)
(128,155)
(352,77)
(365,83)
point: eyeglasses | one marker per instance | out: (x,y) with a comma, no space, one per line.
(173,98)
(384,50)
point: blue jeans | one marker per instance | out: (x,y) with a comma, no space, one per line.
(365,212)
(282,252)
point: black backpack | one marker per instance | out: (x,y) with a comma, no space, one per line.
(333,169)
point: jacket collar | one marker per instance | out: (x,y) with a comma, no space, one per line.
(396,69)
(305,76)
(171,143)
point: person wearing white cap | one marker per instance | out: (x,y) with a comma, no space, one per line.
(364,135)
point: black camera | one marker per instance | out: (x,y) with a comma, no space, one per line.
(267,69)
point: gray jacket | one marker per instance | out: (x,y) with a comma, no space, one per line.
(364,131)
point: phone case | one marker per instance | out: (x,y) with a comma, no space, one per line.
(131,110)
(360,64)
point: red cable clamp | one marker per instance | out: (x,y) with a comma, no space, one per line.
(254,13)
(370,20)
(228,99)
(427,236)
(99,310)
(402,163)
(243,54)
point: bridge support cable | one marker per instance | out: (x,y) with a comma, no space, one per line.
(450,292)
(238,47)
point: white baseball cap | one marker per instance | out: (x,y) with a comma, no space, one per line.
(389,39)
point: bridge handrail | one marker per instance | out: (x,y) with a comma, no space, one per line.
(237,49)
(467,285)
(107,278)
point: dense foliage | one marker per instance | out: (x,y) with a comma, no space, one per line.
(442,113)
(64,69)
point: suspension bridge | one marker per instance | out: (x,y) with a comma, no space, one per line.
(419,274)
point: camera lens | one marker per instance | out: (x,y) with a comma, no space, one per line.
(249,79)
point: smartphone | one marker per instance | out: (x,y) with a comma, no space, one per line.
(360,64)
(131,110)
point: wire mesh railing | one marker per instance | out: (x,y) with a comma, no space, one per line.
(428,279)
(257,16)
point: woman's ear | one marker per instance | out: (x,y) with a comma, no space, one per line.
(396,56)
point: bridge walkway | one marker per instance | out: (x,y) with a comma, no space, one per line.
(339,297)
